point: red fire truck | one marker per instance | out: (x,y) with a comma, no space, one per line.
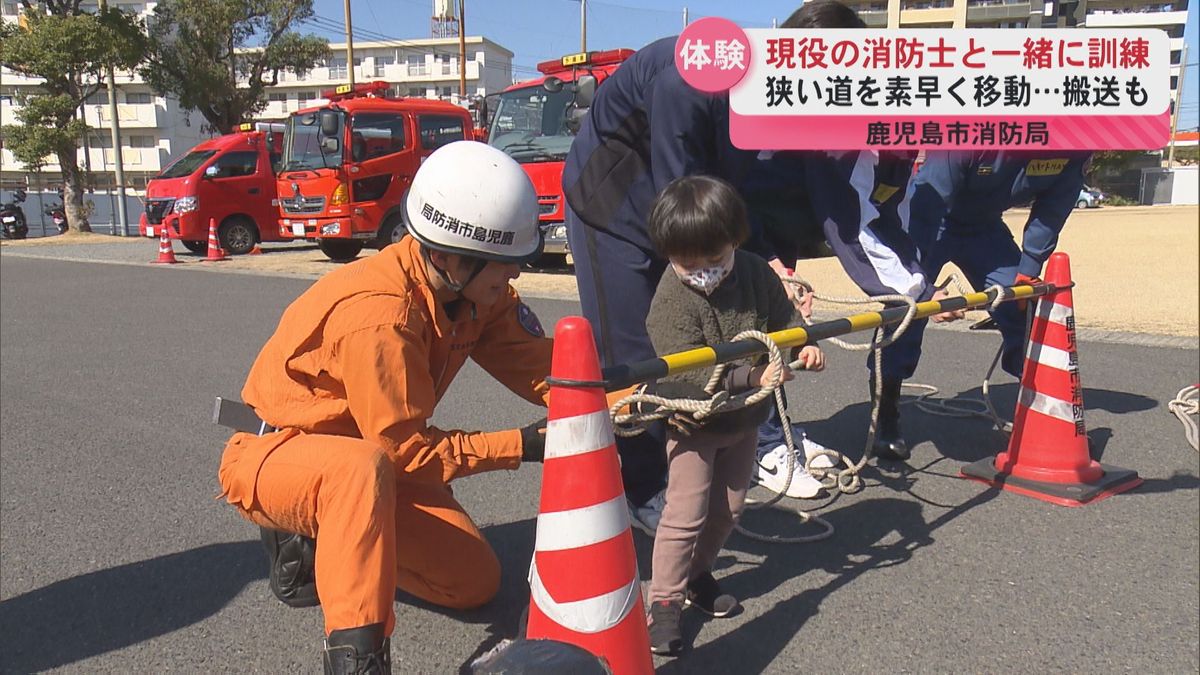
(347,165)
(229,179)
(535,121)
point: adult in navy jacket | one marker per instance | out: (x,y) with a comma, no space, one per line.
(646,127)
(953,213)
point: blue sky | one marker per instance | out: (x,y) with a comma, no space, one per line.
(537,30)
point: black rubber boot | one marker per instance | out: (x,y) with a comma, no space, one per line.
(293,567)
(358,651)
(889,443)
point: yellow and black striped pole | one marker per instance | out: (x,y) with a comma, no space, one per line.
(628,374)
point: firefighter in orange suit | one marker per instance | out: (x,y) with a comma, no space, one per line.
(354,481)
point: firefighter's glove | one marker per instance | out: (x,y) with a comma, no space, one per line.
(533,441)
(1025,280)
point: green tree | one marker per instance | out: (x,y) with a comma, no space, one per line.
(218,56)
(68,50)
(1106,163)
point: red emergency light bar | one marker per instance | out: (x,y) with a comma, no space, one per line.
(345,91)
(584,59)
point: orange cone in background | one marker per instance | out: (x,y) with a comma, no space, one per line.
(166,252)
(1047,456)
(215,254)
(257,250)
(584,584)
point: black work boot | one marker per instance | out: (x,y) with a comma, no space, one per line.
(358,651)
(889,443)
(293,567)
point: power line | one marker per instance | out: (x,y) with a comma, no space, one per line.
(338,28)
(675,13)
(372,11)
(332,26)
(512,72)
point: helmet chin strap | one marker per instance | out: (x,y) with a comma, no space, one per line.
(480,263)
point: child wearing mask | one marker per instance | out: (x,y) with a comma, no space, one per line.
(711,292)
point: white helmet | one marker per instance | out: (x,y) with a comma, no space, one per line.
(474,200)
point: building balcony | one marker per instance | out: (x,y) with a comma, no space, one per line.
(998,11)
(874,18)
(8,162)
(1139,5)
(910,18)
(8,112)
(276,109)
(146,160)
(1110,19)
(131,116)
(437,73)
(141,160)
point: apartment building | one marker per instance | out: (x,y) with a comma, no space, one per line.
(1169,15)
(424,68)
(155,130)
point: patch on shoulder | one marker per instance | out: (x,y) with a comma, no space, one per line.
(1045,167)
(883,192)
(529,321)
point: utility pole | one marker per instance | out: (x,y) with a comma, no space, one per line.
(583,25)
(118,160)
(349,45)
(1178,102)
(462,51)
(685,17)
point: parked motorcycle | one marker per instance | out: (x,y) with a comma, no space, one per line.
(12,217)
(59,215)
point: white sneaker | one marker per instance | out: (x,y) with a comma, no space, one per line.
(812,450)
(646,516)
(770,472)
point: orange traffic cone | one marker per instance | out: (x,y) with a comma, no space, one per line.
(215,254)
(166,252)
(1047,456)
(583,579)
(257,250)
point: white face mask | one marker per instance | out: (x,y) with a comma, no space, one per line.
(705,279)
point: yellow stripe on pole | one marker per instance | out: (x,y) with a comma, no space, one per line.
(864,321)
(793,337)
(691,359)
(789,337)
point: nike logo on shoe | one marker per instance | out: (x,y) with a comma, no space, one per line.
(771,471)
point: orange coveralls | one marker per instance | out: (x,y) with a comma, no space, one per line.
(350,377)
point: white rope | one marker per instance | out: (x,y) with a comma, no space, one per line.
(924,401)
(848,480)
(633,423)
(844,475)
(1185,404)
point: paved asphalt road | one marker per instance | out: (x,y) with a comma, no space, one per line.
(116,556)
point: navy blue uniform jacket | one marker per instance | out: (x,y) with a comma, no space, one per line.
(646,128)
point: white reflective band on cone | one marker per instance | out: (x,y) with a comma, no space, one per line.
(1046,405)
(592,615)
(1054,312)
(1054,357)
(562,530)
(578,435)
